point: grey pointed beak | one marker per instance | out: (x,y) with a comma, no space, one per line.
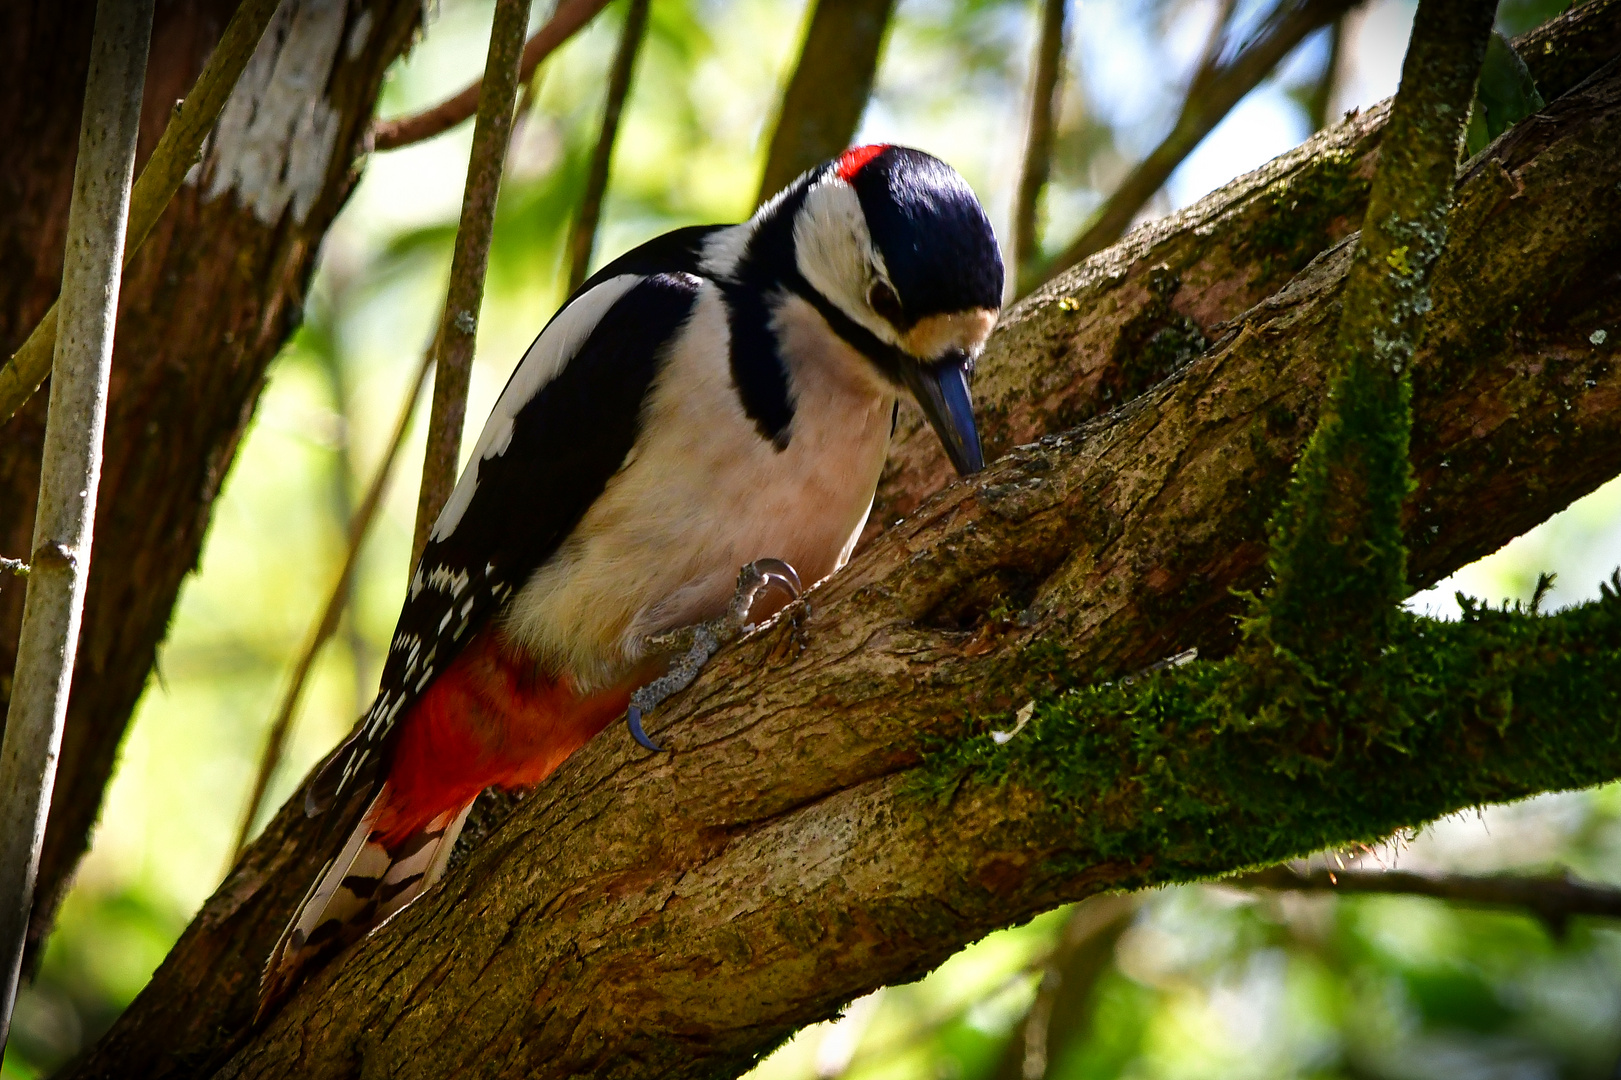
(941,390)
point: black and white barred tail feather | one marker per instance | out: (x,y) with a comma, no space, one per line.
(366,883)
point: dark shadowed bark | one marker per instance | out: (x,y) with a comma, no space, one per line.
(204,308)
(680,914)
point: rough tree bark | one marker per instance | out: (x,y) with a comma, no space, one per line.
(678,915)
(205,306)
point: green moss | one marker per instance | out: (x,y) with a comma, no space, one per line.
(1152,344)
(1201,769)
(1301,214)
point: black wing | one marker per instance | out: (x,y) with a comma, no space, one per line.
(575,410)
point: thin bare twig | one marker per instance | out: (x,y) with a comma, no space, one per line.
(1046,79)
(822,106)
(570,17)
(327,624)
(584,236)
(458,326)
(1211,97)
(70,470)
(177,151)
(1554,899)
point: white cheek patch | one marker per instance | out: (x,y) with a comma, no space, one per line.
(559,343)
(836,253)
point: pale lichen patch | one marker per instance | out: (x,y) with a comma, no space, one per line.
(277,132)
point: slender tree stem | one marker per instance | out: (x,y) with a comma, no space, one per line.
(1046,80)
(177,151)
(584,237)
(458,326)
(331,614)
(71,466)
(1553,899)
(822,106)
(1212,95)
(569,18)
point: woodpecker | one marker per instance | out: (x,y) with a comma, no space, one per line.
(719,399)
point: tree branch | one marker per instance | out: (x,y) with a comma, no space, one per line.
(464,296)
(678,915)
(64,520)
(583,238)
(1046,82)
(1338,565)
(177,151)
(204,307)
(1211,96)
(1104,332)
(570,17)
(822,106)
(1061,1015)
(1554,900)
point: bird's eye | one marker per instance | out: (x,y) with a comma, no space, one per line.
(883,300)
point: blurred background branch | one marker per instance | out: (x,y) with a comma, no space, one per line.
(583,238)
(827,95)
(1553,899)
(1214,88)
(1046,84)
(359,526)
(570,17)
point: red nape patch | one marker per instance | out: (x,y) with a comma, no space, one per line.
(490,720)
(855,159)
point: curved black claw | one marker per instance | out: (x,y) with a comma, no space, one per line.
(781,574)
(633,717)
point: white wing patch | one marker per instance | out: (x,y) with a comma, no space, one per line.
(546,358)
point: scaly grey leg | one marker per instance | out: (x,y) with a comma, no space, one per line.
(692,646)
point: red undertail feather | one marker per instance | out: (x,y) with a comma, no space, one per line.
(491,720)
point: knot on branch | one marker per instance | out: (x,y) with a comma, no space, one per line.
(53,555)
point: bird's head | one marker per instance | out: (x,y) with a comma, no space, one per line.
(902,257)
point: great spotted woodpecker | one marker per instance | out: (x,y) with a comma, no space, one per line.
(719,397)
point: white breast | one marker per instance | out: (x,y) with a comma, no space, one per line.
(703,493)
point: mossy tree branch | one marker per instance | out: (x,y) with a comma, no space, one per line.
(1338,563)
(815,834)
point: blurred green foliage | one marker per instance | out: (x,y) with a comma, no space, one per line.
(1205,981)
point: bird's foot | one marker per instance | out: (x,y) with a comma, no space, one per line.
(692,646)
